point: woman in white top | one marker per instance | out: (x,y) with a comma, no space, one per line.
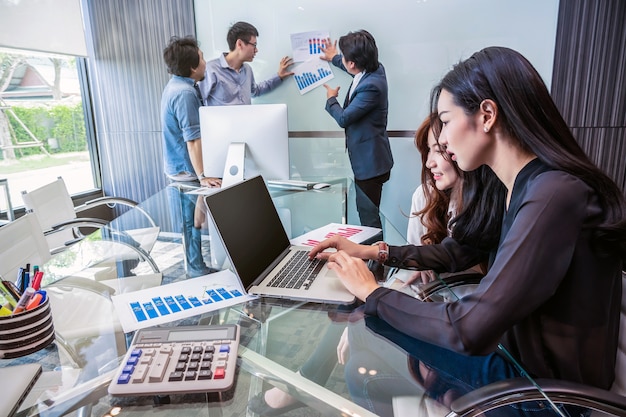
(437,198)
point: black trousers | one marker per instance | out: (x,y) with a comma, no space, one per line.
(368,194)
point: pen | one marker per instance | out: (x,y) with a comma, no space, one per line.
(20,278)
(44,295)
(37,280)
(26,296)
(26,282)
(8,297)
(7,290)
(4,311)
(15,292)
(34,301)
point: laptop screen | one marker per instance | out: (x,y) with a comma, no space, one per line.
(250,228)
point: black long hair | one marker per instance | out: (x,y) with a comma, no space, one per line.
(528,114)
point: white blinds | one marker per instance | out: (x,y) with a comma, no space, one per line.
(54,26)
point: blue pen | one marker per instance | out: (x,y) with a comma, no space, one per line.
(26,282)
(26,277)
(20,279)
(43,295)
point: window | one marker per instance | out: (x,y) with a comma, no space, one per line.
(45,123)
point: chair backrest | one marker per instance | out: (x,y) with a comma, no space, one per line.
(52,204)
(21,242)
(619,386)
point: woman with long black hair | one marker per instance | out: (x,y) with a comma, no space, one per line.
(550,223)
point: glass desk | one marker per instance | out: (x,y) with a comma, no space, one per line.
(278,337)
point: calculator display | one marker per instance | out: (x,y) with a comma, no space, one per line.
(190,335)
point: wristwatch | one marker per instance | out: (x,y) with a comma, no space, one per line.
(383,251)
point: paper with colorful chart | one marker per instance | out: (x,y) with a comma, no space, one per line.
(179,300)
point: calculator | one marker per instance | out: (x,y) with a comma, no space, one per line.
(184,359)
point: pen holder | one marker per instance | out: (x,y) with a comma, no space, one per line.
(26,332)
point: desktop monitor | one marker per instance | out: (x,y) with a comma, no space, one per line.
(262,127)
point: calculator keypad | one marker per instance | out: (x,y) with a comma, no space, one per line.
(177,367)
(192,362)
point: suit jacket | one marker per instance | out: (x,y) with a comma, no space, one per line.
(364,119)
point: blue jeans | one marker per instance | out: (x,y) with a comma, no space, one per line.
(192,235)
(378,370)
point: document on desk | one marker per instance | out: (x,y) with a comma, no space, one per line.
(356,234)
(203,190)
(179,300)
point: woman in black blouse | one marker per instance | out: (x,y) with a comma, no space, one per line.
(552,227)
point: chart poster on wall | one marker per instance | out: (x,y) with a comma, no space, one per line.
(179,300)
(307,45)
(312,74)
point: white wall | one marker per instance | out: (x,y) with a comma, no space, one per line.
(418,42)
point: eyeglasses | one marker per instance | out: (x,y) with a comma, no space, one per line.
(250,43)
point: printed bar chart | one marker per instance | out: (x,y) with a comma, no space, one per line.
(315,46)
(307,45)
(311,74)
(166,303)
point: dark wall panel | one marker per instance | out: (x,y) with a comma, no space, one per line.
(589,79)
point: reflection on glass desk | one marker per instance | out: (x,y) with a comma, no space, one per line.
(81,280)
(278,337)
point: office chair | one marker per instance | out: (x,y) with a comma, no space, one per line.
(519,390)
(22,241)
(58,218)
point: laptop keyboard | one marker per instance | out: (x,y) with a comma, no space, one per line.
(298,272)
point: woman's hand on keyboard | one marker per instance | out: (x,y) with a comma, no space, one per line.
(343,244)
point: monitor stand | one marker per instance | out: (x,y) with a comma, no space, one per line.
(233,168)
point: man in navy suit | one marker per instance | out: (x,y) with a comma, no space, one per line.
(364,117)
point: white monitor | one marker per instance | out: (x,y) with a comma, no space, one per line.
(262,127)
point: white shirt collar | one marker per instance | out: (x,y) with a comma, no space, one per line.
(355,82)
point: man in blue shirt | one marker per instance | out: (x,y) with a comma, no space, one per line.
(229,79)
(182,147)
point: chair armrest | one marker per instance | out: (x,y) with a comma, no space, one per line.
(450,281)
(100,201)
(519,390)
(106,200)
(78,222)
(83,284)
(111,235)
(73,224)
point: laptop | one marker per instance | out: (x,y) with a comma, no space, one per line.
(17,382)
(259,249)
